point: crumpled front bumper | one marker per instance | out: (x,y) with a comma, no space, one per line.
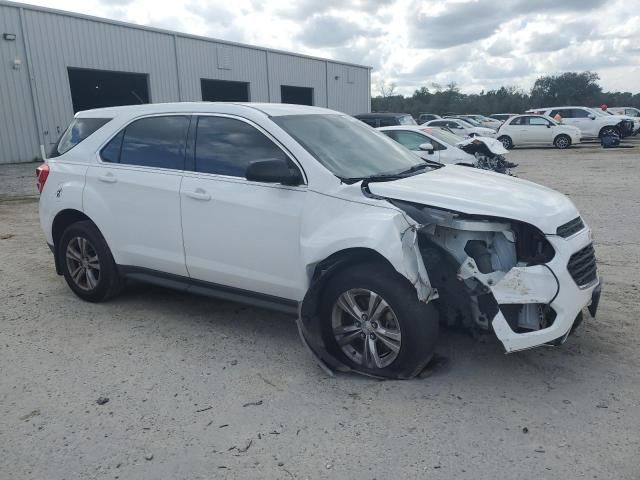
(539,284)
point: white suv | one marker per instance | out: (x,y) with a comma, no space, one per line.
(537,130)
(312,212)
(590,122)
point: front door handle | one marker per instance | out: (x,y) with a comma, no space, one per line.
(108,178)
(198,194)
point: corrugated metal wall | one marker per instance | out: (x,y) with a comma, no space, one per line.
(36,110)
(346,88)
(199,59)
(297,72)
(57,42)
(18,131)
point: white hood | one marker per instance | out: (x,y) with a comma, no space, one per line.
(479,192)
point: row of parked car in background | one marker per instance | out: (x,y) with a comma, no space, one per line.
(561,127)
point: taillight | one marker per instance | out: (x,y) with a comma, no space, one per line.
(42,172)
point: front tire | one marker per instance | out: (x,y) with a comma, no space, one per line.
(609,131)
(562,142)
(374,323)
(506,142)
(87,263)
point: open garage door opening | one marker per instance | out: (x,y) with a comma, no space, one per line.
(224,91)
(297,95)
(103,88)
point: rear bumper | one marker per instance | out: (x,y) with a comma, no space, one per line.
(551,284)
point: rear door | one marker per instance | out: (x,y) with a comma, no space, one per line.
(132,193)
(238,233)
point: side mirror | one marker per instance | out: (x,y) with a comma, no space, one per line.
(273,170)
(426,147)
(548,125)
(592,116)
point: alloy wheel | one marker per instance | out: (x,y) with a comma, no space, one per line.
(366,328)
(83,263)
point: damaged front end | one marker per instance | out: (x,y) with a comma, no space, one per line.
(481,273)
(506,276)
(489,154)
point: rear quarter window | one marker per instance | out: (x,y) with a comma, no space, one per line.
(79,130)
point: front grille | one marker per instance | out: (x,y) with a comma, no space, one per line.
(569,228)
(582,266)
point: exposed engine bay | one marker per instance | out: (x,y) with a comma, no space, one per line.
(489,154)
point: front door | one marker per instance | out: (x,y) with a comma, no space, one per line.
(537,130)
(238,233)
(413,140)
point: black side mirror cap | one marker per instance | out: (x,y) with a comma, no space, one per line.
(273,170)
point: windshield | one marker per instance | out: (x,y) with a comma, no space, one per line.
(466,122)
(407,120)
(471,121)
(443,135)
(347,147)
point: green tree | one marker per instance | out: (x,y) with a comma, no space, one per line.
(569,88)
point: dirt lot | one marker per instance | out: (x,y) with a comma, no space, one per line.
(200,388)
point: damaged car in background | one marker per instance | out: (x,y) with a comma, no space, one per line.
(311,212)
(441,145)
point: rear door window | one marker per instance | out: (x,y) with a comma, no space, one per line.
(158,142)
(79,130)
(226,146)
(111,152)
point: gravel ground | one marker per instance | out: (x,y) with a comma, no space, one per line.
(200,388)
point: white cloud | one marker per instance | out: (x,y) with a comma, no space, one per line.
(479,44)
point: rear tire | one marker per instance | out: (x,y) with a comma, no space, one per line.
(506,142)
(87,263)
(562,142)
(374,323)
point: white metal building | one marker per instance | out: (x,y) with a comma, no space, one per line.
(55,63)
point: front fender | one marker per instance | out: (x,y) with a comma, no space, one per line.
(341,225)
(338,233)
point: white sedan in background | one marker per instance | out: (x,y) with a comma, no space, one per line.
(462,127)
(537,130)
(438,144)
(434,144)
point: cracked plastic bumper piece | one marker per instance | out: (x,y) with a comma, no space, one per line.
(552,285)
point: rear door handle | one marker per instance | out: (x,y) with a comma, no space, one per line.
(198,194)
(108,178)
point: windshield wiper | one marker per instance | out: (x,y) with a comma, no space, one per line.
(386,177)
